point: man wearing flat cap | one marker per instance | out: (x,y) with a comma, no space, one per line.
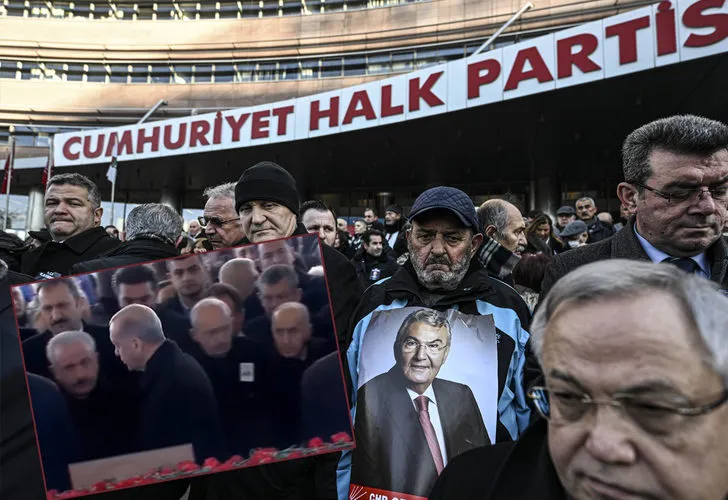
(441,275)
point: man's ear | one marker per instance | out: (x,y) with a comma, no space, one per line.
(628,194)
(490,231)
(477,242)
(97,216)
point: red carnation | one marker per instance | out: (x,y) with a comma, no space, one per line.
(316,442)
(187,466)
(211,462)
(165,471)
(341,437)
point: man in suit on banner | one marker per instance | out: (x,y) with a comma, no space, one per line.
(407,413)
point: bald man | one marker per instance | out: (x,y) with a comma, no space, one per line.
(234,366)
(242,273)
(178,403)
(295,350)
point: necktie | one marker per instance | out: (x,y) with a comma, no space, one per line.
(422,402)
(686,264)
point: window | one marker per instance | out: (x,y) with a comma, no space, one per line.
(30,71)
(378,63)
(310,69)
(8,69)
(427,57)
(266,71)
(331,68)
(139,73)
(182,73)
(74,72)
(203,73)
(224,73)
(289,70)
(119,73)
(403,61)
(246,71)
(160,74)
(354,66)
(453,52)
(96,73)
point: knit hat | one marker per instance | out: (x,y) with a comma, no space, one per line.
(267,181)
(574,228)
(447,198)
(394,208)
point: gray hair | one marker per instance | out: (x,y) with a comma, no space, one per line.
(155,220)
(427,316)
(68,282)
(680,134)
(277,273)
(226,190)
(586,198)
(617,278)
(210,302)
(67,338)
(94,195)
(493,213)
(149,329)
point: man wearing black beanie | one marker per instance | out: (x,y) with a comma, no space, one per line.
(267,201)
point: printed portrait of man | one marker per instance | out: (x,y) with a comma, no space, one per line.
(408,422)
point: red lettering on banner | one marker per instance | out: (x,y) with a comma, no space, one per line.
(424,92)
(236,125)
(566,59)
(359,97)
(198,133)
(179,142)
(282,115)
(125,144)
(260,124)
(316,113)
(217,128)
(538,70)
(666,32)
(477,79)
(694,18)
(99,146)
(142,139)
(387,108)
(626,34)
(67,153)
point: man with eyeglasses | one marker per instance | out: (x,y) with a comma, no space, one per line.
(453,422)
(634,400)
(220,221)
(676,187)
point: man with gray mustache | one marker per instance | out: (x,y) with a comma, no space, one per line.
(676,185)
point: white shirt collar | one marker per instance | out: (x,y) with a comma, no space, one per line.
(429,392)
(657,255)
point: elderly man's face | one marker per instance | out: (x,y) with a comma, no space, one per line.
(683,228)
(440,249)
(266,220)
(213,330)
(423,351)
(272,296)
(224,228)
(565,219)
(643,452)
(76,369)
(59,309)
(194,228)
(291,332)
(276,252)
(136,293)
(586,210)
(68,211)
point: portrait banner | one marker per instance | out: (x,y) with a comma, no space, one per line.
(427,392)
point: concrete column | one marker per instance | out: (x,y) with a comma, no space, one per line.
(547,194)
(383,200)
(34,221)
(172,199)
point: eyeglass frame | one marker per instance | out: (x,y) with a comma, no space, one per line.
(617,401)
(202,221)
(671,197)
(426,346)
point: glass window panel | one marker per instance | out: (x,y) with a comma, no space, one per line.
(289,70)
(182,73)
(203,73)
(265,71)
(224,73)
(96,73)
(30,71)
(53,71)
(310,68)
(139,74)
(8,69)
(354,66)
(74,72)
(402,61)
(331,67)
(379,63)
(452,52)
(119,73)
(245,71)
(160,74)
(334,5)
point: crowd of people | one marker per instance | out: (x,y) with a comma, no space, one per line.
(582,321)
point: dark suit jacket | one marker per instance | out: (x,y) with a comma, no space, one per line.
(625,245)
(179,405)
(391,452)
(128,253)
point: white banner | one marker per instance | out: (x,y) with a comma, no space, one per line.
(669,32)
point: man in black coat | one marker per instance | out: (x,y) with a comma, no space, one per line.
(152,230)
(371,262)
(72,214)
(394,230)
(179,405)
(676,185)
(598,230)
(236,368)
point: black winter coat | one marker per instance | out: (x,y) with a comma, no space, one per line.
(54,259)
(371,269)
(129,252)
